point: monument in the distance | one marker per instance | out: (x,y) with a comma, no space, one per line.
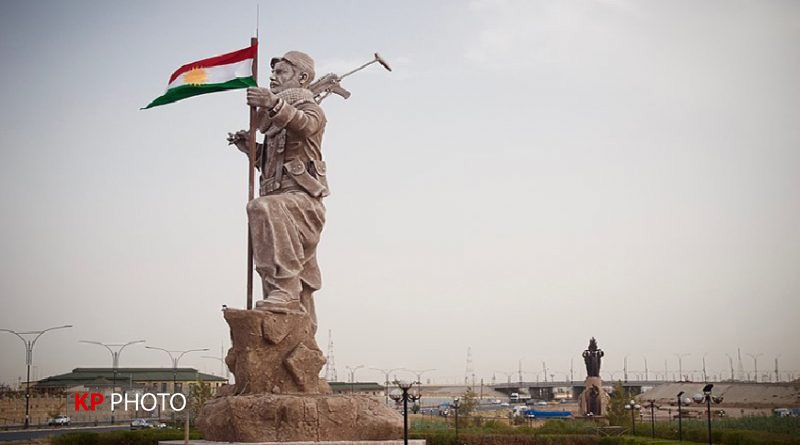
(593,401)
(278,395)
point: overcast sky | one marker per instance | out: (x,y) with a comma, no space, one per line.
(531,174)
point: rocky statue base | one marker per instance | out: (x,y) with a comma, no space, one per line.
(594,400)
(278,396)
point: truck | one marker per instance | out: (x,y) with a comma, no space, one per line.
(540,414)
(516,397)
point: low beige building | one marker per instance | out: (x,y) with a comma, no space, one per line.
(56,395)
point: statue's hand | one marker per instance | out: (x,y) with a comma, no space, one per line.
(260,97)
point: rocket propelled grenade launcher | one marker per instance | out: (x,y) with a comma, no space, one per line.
(331,83)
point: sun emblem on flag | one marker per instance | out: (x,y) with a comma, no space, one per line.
(195,76)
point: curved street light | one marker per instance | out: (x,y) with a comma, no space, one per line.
(114,361)
(405,394)
(706,397)
(651,403)
(456,405)
(352,372)
(755,364)
(418,373)
(684,401)
(175,360)
(507,374)
(386,373)
(680,364)
(633,407)
(29,344)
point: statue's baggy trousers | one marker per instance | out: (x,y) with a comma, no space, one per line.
(285,229)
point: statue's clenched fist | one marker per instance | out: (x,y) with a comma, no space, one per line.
(261,97)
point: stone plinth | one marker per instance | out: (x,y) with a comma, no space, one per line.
(269,417)
(278,395)
(274,353)
(593,399)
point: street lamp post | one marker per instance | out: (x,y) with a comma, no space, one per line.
(29,344)
(680,414)
(386,373)
(418,373)
(652,405)
(755,364)
(633,407)
(352,372)
(175,360)
(625,369)
(707,397)
(680,364)
(507,374)
(404,394)
(730,363)
(456,404)
(114,362)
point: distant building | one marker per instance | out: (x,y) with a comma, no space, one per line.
(152,380)
(370,389)
(56,394)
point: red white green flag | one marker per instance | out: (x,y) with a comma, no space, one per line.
(226,72)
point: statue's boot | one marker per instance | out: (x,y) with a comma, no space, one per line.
(281,302)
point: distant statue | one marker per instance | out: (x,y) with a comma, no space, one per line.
(592,357)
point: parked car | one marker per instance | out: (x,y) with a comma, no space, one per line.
(140,424)
(59,421)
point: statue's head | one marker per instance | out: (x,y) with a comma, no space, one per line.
(294,70)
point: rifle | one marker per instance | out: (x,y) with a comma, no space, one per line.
(332,83)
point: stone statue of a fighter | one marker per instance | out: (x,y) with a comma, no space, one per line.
(288,217)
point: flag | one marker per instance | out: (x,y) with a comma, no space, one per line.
(226,72)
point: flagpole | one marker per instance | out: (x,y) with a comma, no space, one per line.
(251,143)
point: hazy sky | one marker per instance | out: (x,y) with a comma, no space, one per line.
(530,175)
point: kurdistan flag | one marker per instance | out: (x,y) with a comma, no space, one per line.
(226,72)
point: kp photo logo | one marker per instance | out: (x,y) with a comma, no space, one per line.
(88,401)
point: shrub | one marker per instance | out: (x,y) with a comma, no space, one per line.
(143,437)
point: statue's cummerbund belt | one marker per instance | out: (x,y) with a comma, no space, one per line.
(271,187)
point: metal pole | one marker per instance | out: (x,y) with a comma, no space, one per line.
(28,389)
(455,407)
(405,416)
(174,387)
(29,344)
(708,407)
(114,362)
(652,419)
(251,142)
(680,418)
(113,388)
(633,419)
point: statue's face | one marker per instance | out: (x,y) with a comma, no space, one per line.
(285,76)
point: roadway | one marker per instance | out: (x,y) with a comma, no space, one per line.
(38,433)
